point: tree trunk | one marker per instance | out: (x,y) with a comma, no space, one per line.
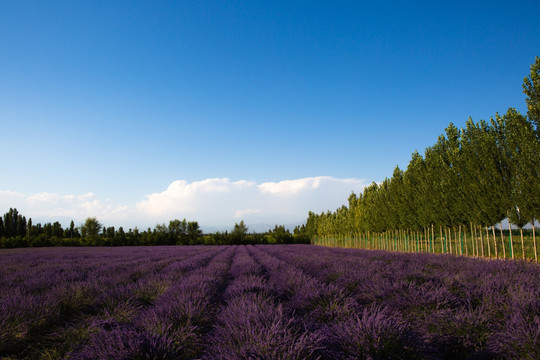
(476,239)
(449,239)
(511,244)
(432,240)
(472,240)
(442,241)
(457,241)
(495,242)
(406,240)
(487,239)
(534,241)
(426,239)
(466,242)
(482,241)
(502,242)
(460,242)
(364,240)
(522,243)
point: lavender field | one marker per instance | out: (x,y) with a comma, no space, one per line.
(264,302)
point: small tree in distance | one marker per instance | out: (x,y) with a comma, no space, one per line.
(91,228)
(239,232)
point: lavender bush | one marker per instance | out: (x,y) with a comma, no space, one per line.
(264,302)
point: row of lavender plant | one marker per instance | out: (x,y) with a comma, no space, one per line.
(457,307)
(343,328)
(265,302)
(45,292)
(111,334)
(253,324)
(176,324)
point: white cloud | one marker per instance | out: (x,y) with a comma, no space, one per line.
(45,206)
(211,202)
(243,213)
(291,187)
(44,197)
(10,197)
(221,201)
(184,197)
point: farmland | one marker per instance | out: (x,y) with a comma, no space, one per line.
(267,302)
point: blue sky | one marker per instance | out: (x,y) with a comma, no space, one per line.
(108,106)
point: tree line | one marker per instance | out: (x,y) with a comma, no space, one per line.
(17,231)
(452,198)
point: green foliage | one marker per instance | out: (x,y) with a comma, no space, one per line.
(280,235)
(177,232)
(531,88)
(238,233)
(90,229)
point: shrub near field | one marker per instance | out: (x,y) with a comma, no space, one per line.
(264,302)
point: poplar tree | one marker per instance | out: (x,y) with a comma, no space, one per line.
(524,151)
(398,202)
(531,88)
(8,222)
(372,206)
(438,187)
(471,165)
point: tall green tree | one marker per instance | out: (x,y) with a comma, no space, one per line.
(524,150)
(436,183)
(9,219)
(178,230)
(398,202)
(372,207)
(531,88)
(194,232)
(72,229)
(416,183)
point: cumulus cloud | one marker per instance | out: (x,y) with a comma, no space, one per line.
(10,197)
(53,198)
(184,197)
(243,213)
(212,202)
(46,206)
(221,201)
(291,187)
